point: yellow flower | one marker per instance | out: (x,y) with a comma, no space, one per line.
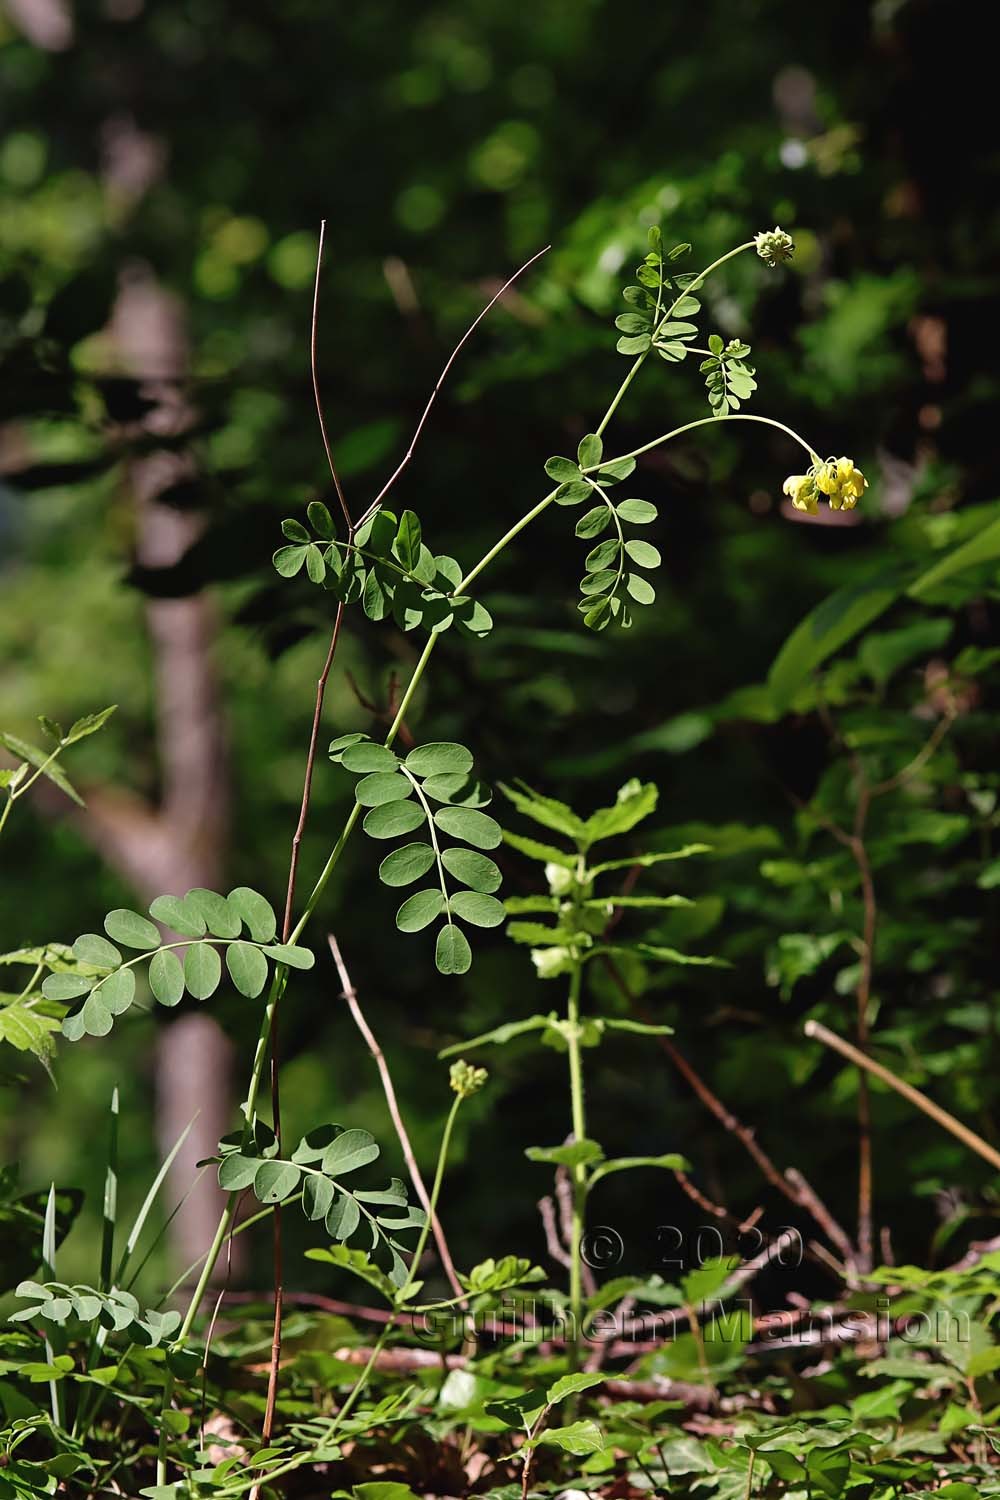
(836,478)
(841,482)
(801,490)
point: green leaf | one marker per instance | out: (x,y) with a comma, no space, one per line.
(591,448)
(639,588)
(501,1035)
(544,854)
(636,800)
(67,986)
(320,520)
(636,512)
(37,758)
(575,1154)
(593,522)
(452,954)
(707,1280)
(343,1217)
(545,810)
(351,1149)
(578,1438)
(981,548)
(570,1385)
(89,724)
(275,1180)
(117,991)
(337,747)
(255,912)
(671,1162)
(461,790)
(828,627)
(96,1017)
(131,930)
(166,977)
(643,553)
(317,1196)
(237,1172)
(368,757)
(405,865)
(202,970)
(563,470)
(360,1264)
(618,468)
(221,919)
(471,826)
(640,1028)
(393,818)
(481,911)
(439,759)
(472,869)
(603,556)
(634,345)
(247,968)
(93,949)
(315,566)
(381,787)
(407,543)
(177,913)
(573,493)
(419,910)
(294,531)
(288,560)
(26,1030)
(290,955)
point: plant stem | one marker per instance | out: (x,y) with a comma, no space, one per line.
(940,1116)
(362,1379)
(578,1115)
(641,359)
(742,416)
(352,818)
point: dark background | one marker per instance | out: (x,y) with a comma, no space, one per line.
(185,154)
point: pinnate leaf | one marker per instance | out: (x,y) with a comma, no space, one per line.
(405,865)
(202,970)
(131,930)
(419,910)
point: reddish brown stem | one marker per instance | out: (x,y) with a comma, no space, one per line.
(440,382)
(267,1426)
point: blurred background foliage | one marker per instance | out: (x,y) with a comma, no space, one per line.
(195,146)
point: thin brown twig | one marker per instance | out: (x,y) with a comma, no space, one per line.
(350,994)
(933,1111)
(554,1245)
(376,503)
(792,1185)
(267,1426)
(315,380)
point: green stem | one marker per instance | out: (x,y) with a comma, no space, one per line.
(641,358)
(743,416)
(334,856)
(363,1378)
(225,1218)
(8,804)
(578,1115)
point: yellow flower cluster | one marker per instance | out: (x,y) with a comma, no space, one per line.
(836,478)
